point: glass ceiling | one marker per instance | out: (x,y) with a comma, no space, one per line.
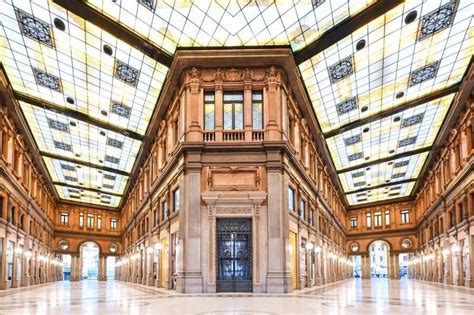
(365,88)
(216,23)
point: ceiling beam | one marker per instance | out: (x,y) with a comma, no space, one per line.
(386,159)
(409,180)
(424,99)
(76,115)
(80,8)
(345,28)
(80,162)
(86,188)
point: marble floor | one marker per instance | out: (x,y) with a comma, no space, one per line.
(376,296)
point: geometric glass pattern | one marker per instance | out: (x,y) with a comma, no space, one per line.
(70,178)
(346,106)
(378,174)
(341,70)
(47,80)
(413,120)
(381,136)
(88,196)
(114,143)
(54,124)
(353,139)
(126,73)
(88,177)
(121,110)
(149,4)
(358,174)
(62,146)
(34,28)
(401,164)
(437,20)
(398,175)
(425,73)
(407,141)
(355,156)
(229,23)
(380,194)
(112,159)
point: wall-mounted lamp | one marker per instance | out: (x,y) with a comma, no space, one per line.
(317,249)
(27,254)
(455,249)
(309,246)
(445,252)
(18,250)
(149,250)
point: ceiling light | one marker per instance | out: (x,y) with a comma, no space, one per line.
(73,124)
(59,24)
(103,112)
(70,100)
(102,133)
(400,94)
(77,154)
(391,151)
(364,109)
(397,119)
(365,129)
(360,44)
(108,50)
(410,17)
(367,157)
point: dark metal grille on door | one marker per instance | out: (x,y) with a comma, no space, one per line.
(234,255)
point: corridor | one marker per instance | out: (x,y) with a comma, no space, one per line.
(376,296)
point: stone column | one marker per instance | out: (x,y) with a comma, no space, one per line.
(470,281)
(75,268)
(190,278)
(278,276)
(102,268)
(3,264)
(17,264)
(365,266)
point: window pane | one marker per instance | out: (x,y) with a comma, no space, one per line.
(227,116)
(239,116)
(257,117)
(209,116)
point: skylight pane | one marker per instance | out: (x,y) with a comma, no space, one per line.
(169,24)
(393,66)
(411,129)
(381,194)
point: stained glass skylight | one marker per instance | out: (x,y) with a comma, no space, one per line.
(209,23)
(387,63)
(382,138)
(392,63)
(380,194)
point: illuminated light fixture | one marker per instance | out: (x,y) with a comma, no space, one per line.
(400,94)
(455,248)
(309,246)
(27,254)
(18,251)
(317,249)
(149,250)
(70,100)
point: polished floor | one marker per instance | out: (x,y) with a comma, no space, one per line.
(377,296)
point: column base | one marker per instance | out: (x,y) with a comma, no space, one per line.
(190,282)
(278,282)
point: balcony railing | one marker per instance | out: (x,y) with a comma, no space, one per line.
(233,135)
(208,136)
(258,135)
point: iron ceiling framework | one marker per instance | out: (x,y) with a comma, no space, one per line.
(87,76)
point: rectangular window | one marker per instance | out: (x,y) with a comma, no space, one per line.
(99,222)
(257,110)
(369,220)
(387,217)
(291,199)
(353,222)
(113,224)
(311,217)
(176,200)
(81,219)
(303,209)
(209,111)
(90,221)
(164,210)
(378,219)
(405,216)
(155,217)
(64,218)
(233,111)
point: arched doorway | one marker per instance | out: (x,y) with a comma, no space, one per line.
(89,261)
(378,251)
